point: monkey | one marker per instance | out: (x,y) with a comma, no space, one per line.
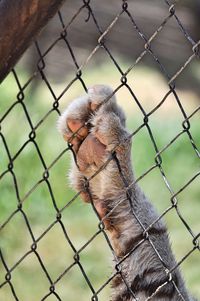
(95,127)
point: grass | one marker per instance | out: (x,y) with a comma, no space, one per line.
(179,163)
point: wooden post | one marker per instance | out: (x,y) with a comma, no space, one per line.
(20,22)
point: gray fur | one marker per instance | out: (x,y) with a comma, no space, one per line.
(142,269)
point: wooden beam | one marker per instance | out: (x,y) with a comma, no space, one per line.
(20,22)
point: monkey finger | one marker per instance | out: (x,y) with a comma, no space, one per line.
(98,94)
(78,127)
(90,152)
(73,140)
(103,213)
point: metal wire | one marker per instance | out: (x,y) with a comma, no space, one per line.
(31,139)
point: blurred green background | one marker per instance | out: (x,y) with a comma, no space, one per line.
(180,164)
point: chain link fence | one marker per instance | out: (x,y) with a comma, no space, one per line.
(22,144)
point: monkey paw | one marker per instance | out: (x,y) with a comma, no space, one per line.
(75,125)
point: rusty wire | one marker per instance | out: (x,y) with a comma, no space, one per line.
(171,80)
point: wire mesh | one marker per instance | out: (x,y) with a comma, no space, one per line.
(33,132)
